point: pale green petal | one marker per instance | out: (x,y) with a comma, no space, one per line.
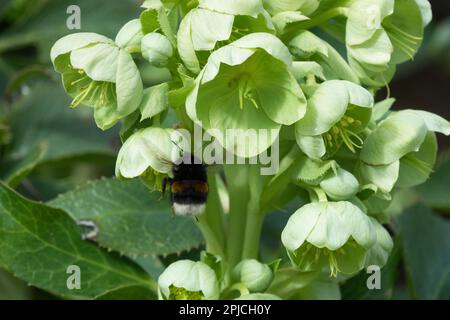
(154,101)
(358,96)
(337,222)
(406,34)
(313,146)
(99,61)
(300,225)
(304,6)
(156,49)
(364,19)
(130,35)
(374,53)
(208,27)
(229,55)
(185,46)
(425,10)
(279,94)
(379,253)
(106,116)
(283,19)
(267,42)
(191,276)
(416,167)
(341,185)
(154,148)
(234,7)
(383,176)
(394,137)
(129,85)
(433,122)
(75,41)
(302,69)
(325,108)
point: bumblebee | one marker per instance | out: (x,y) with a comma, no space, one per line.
(188,187)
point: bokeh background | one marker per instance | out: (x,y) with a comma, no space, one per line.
(46,148)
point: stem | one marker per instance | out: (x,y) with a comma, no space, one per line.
(237,180)
(317,20)
(214,211)
(254,216)
(213,244)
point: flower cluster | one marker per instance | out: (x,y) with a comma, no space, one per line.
(257,64)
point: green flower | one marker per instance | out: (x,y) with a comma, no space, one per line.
(247,85)
(254,275)
(402,149)
(150,153)
(215,21)
(338,111)
(336,235)
(188,280)
(98,73)
(383,33)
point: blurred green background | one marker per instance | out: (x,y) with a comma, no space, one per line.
(47,149)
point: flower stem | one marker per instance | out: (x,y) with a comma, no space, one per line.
(211,222)
(237,180)
(293,28)
(254,216)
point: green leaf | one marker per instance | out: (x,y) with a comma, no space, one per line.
(426,250)
(14,171)
(44,129)
(128,293)
(50,23)
(130,219)
(12,288)
(39,243)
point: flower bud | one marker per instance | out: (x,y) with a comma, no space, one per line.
(156,49)
(188,280)
(255,275)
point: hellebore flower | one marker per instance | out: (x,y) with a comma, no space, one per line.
(214,21)
(336,235)
(337,112)
(100,74)
(188,280)
(254,275)
(401,150)
(383,33)
(151,153)
(247,85)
